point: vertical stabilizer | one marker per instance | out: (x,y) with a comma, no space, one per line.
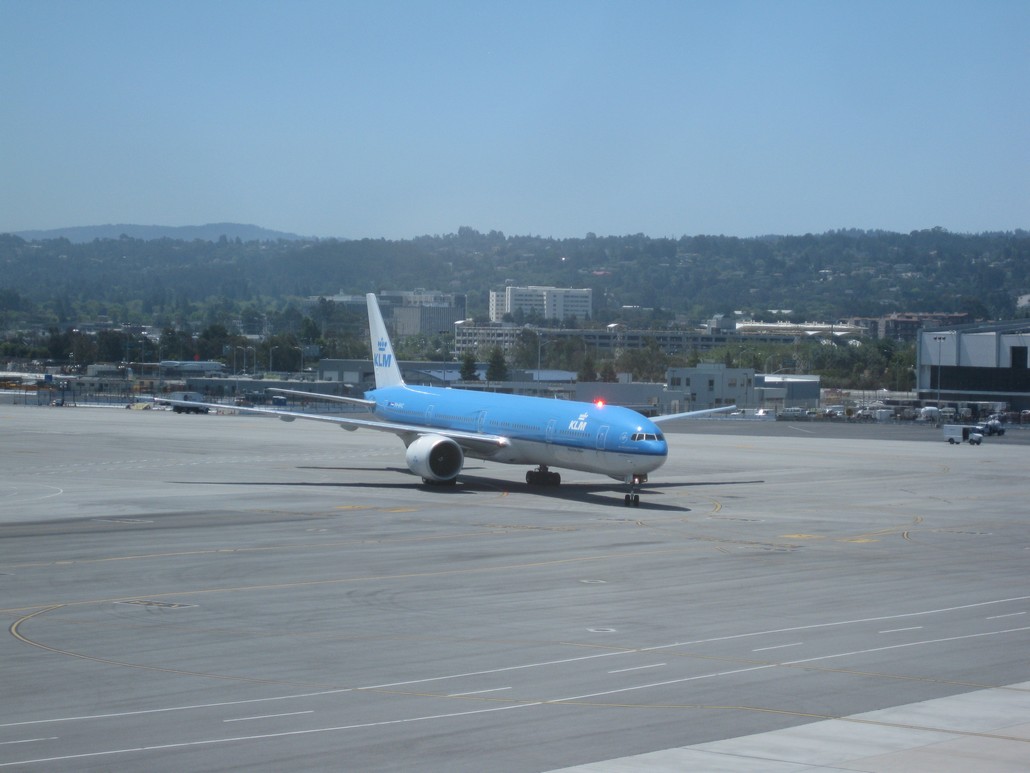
(388,373)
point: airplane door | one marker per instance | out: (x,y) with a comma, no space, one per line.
(550,430)
(602,436)
(480,421)
(429,415)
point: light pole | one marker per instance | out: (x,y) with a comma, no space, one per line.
(142,362)
(616,329)
(940,343)
(270,350)
(253,359)
(540,344)
(236,373)
(300,374)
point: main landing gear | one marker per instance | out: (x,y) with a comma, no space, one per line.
(542,477)
(633,497)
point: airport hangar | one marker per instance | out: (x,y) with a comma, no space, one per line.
(984,362)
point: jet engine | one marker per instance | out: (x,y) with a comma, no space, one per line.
(436,458)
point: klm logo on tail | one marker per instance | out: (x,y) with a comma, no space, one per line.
(382,358)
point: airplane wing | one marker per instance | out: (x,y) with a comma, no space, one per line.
(329,398)
(692,414)
(480,445)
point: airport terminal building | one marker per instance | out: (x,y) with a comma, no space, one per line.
(975,363)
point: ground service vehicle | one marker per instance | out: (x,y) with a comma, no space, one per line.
(188,397)
(960,433)
(990,427)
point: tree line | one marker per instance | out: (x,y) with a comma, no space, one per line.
(838,274)
(209,299)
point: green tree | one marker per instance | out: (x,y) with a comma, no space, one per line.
(587,370)
(111,346)
(177,345)
(468,367)
(215,343)
(527,349)
(497,366)
(647,364)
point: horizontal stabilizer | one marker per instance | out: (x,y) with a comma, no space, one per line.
(329,398)
(692,414)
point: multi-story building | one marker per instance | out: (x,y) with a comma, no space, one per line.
(609,341)
(713,385)
(411,312)
(906,326)
(549,302)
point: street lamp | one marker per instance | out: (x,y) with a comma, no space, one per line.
(270,350)
(616,329)
(300,349)
(460,338)
(940,343)
(540,344)
(142,362)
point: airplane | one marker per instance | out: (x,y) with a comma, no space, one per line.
(441,426)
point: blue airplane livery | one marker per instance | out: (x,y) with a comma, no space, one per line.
(441,427)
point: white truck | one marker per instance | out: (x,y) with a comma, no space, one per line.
(187,397)
(962,433)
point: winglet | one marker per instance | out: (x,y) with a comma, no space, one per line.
(387,371)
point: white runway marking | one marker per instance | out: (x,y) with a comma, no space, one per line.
(778,646)
(269,716)
(636,668)
(477,692)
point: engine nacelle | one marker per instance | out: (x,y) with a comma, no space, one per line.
(436,458)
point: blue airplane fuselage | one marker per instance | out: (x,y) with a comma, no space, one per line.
(590,437)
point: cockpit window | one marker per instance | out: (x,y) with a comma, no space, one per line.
(637,436)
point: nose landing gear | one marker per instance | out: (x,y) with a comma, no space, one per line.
(633,497)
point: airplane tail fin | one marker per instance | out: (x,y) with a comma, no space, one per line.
(388,372)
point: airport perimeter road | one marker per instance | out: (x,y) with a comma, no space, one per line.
(233,593)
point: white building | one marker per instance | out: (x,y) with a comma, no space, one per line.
(548,302)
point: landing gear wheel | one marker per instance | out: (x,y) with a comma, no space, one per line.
(634,482)
(542,477)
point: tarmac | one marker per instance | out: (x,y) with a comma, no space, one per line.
(226,592)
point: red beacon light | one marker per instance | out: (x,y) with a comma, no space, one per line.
(599,403)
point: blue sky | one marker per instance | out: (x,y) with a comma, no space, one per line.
(398,119)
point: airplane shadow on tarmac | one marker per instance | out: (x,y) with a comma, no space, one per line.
(606,494)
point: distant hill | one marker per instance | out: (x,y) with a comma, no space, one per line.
(211,232)
(635,278)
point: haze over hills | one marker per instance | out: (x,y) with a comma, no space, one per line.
(835,275)
(211,232)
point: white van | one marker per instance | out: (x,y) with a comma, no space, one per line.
(962,433)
